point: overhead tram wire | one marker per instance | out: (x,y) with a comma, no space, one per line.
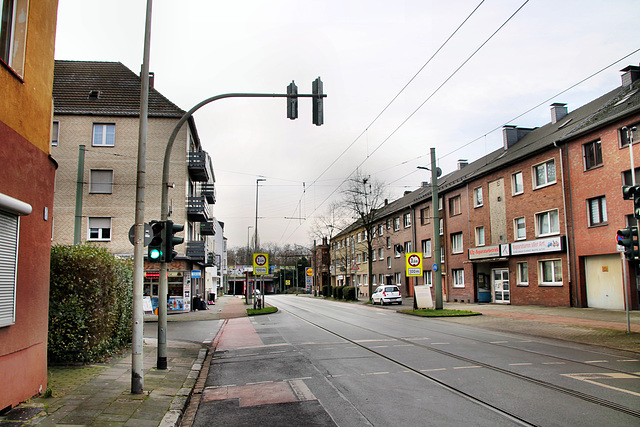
(541,103)
(421,105)
(385,109)
(399,93)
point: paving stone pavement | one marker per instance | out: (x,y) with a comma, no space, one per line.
(100,394)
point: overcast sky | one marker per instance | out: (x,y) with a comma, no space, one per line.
(365,51)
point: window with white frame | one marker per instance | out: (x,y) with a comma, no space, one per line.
(381,277)
(398,278)
(426,248)
(381,254)
(519,228)
(380,230)
(441,227)
(592,152)
(458,277)
(55,133)
(14,16)
(597,210)
(101,181)
(396,223)
(551,272)
(477,197)
(454,206)
(389,262)
(480,236)
(544,174)
(440,202)
(408,247)
(427,278)
(359,238)
(523,274)
(364,257)
(359,259)
(104,135)
(373,280)
(548,223)
(348,241)
(424,216)
(388,224)
(396,249)
(99,229)
(407,220)
(517,183)
(456,243)
(388,242)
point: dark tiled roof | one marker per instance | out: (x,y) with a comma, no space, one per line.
(117,86)
(626,101)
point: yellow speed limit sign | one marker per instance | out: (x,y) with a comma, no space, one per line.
(309,271)
(260,264)
(414,264)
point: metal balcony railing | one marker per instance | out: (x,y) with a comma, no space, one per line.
(199,166)
(196,251)
(207,228)
(198,209)
(208,191)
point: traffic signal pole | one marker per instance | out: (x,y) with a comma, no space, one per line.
(163,286)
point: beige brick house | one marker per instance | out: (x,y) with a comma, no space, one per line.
(95,139)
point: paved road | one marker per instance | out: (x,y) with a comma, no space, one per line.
(319,362)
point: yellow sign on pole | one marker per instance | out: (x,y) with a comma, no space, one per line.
(414,264)
(260,264)
(309,271)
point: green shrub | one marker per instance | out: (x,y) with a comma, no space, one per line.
(326,291)
(90,304)
(349,293)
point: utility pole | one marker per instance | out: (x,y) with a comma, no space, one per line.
(77,228)
(137,375)
(435,204)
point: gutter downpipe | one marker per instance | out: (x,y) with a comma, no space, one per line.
(566,228)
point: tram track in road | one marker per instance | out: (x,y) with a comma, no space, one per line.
(558,388)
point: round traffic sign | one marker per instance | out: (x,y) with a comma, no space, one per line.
(435,267)
(261,260)
(414,260)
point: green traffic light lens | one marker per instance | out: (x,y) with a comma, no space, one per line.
(155,254)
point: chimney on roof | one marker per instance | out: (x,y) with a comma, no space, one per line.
(512,134)
(152,77)
(425,184)
(386,202)
(558,111)
(631,75)
(462,163)
(406,192)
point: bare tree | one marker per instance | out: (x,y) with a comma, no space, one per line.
(332,221)
(363,197)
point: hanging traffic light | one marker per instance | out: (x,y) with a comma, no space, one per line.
(628,238)
(170,239)
(292,101)
(318,99)
(156,246)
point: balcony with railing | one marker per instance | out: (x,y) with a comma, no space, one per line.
(197,251)
(199,165)
(209,191)
(207,228)
(198,209)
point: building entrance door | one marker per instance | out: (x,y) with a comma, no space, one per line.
(500,285)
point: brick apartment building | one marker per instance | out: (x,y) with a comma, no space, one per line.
(27,178)
(95,139)
(531,223)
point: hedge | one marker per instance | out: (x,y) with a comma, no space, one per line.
(349,293)
(90,304)
(326,290)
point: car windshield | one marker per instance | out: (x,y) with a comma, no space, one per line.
(391,289)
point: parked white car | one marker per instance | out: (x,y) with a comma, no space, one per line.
(386,294)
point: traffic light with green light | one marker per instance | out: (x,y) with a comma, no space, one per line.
(156,246)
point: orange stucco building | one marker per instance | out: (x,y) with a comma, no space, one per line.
(27,177)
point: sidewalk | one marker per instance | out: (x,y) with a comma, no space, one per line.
(100,394)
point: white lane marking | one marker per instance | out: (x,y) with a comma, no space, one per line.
(375,373)
(378,340)
(433,370)
(440,343)
(467,367)
(498,342)
(554,363)
(520,364)
(628,360)
(596,361)
(593,379)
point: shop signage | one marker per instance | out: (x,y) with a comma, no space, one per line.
(552,244)
(196,274)
(484,252)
